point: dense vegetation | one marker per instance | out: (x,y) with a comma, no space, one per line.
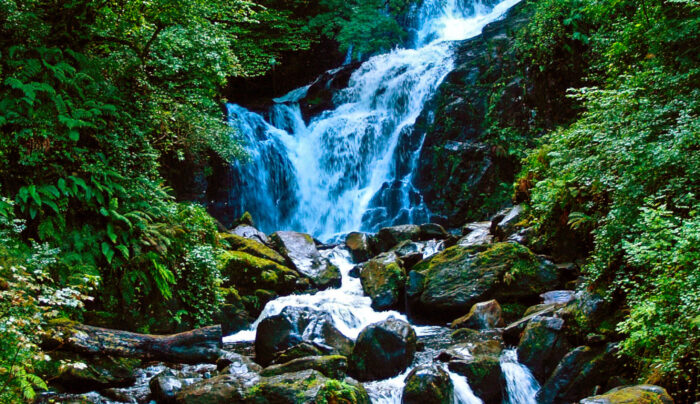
(620,180)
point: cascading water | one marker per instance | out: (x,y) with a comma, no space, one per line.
(351,168)
(521,385)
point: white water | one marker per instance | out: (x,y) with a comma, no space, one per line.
(343,172)
(521,385)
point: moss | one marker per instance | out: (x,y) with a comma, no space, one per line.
(252,247)
(336,391)
(247,272)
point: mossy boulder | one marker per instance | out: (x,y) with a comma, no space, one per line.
(579,373)
(253,247)
(483,315)
(332,366)
(383,350)
(641,394)
(347,391)
(295,325)
(542,345)
(232,315)
(86,373)
(248,273)
(484,375)
(299,350)
(251,233)
(383,281)
(224,388)
(428,384)
(447,284)
(306,386)
(301,253)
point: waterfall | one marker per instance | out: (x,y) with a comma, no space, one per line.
(521,385)
(352,167)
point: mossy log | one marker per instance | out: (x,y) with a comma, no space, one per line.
(196,346)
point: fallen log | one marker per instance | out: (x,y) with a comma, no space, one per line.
(202,345)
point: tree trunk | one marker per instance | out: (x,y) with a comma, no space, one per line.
(197,346)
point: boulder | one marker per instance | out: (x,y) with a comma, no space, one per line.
(164,386)
(542,345)
(383,281)
(235,363)
(82,374)
(481,316)
(432,231)
(383,350)
(299,350)
(251,233)
(428,384)
(295,325)
(512,332)
(507,222)
(409,252)
(306,386)
(578,374)
(225,388)
(388,237)
(332,366)
(475,234)
(359,246)
(232,313)
(641,394)
(301,252)
(248,273)
(484,375)
(447,284)
(254,247)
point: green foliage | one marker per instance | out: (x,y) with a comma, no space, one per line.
(624,176)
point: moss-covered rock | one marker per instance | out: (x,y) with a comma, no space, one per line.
(299,350)
(332,366)
(224,388)
(86,373)
(542,346)
(383,281)
(428,384)
(383,350)
(346,391)
(641,394)
(248,273)
(233,315)
(484,375)
(253,247)
(450,282)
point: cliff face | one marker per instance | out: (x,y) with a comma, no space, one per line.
(465,167)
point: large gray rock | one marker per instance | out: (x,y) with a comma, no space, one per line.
(428,384)
(641,394)
(301,252)
(542,346)
(295,325)
(383,350)
(383,281)
(447,284)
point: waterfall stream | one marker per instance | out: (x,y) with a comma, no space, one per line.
(351,168)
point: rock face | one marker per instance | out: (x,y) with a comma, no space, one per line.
(428,384)
(578,373)
(383,350)
(481,316)
(295,325)
(642,394)
(447,284)
(300,250)
(542,346)
(359,245)
(383,281)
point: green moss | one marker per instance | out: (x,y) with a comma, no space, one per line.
(247,272)
(252,247)
(336,391)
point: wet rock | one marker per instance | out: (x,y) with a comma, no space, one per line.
(299,350)
(641,394)
(383,350)
(512,332)
(578,374)
(232,313)
(248,273)
(165,386)
(225,388)
(251,233)
(300,250)
(475,234)
(484,375)
(388,237)
(428,384)
(558,296)
(295,325)
(232,362)
(383,281)
(481,316)
(542,346)
(432,231)
(447,284)
(293,388)
(359,246)
(332,366)
(506,222)
(83,374)
(319,96)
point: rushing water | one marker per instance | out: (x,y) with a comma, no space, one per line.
(352,167)
(521,385)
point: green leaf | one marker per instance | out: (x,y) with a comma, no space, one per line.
(110,233)
(107,251)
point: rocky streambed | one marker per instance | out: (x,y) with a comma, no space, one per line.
(410,314)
